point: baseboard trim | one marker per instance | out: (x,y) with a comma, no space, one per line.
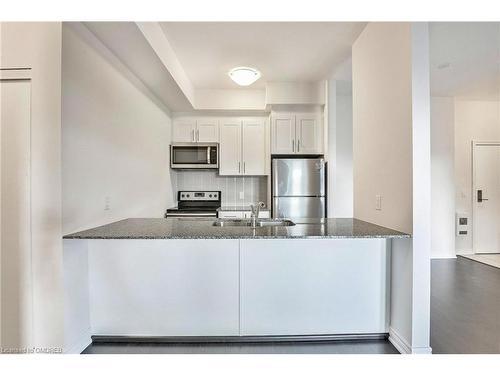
(79,346)
(399,342)
(236,339)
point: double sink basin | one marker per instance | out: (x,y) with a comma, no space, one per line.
(248,223)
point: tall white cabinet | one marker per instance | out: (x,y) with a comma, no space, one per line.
(296,133)
(243,147)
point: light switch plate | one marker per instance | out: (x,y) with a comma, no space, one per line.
(378,202)
(242,195)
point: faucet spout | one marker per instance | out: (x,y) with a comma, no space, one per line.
(255,212)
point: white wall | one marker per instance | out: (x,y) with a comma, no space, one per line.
(391,149)
(115,143)
(340,144)
(382,133)
(474,121)
(443,177)
(38,46)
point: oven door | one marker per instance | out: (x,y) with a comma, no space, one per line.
(194,155)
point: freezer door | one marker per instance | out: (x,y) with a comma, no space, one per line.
(298,177)
(299,207)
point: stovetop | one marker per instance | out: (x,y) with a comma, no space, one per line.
(193,202)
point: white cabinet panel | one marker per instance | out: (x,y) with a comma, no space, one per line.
(303,287)
(308,130)
(283,134)
(207,130)
(164,287)
(230,147)
(231,214)
(254,147)
(15,203)
(184,130)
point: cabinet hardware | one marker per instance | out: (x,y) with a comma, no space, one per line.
(298,146)
(198,135)
(239,167)
(293,145)
(244,167)
(192,134)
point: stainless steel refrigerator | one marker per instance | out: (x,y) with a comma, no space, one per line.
(298,187)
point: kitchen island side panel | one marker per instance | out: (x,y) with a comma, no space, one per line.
(164,287)
(314,287)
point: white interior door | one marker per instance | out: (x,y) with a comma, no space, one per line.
(254,147)
(15,203)
(486,198)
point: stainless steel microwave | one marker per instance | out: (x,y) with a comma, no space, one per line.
(194,155)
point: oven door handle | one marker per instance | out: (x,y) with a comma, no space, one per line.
(188,214)
(208,155)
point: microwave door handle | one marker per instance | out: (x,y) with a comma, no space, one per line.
(208,155)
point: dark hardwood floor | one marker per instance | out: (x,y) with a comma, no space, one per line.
(465,318)
(465,307)
(343,347)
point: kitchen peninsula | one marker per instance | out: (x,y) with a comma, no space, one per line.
(185,278)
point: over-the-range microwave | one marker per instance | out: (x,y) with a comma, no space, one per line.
(194,155)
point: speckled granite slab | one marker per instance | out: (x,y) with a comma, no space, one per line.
(202,228)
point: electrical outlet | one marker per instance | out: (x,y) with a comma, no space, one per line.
(107,203)
(378,202)
(242,195)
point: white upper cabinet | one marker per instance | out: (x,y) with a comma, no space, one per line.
(296,133)
(254,147)
(184,130)
(195,130)
(207,130)
(230,147)
(283,134)
(243,147)
(308,134)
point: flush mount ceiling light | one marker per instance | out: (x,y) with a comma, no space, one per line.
(244,76)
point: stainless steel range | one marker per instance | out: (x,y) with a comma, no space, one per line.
(196,204)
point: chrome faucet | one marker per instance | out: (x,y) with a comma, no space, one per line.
(255,213)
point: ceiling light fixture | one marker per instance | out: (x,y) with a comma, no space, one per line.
(244,76)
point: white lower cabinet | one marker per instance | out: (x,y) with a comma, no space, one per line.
(164,287)
(307,287)
(264,214)
(248,287)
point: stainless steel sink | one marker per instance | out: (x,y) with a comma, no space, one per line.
(248,223)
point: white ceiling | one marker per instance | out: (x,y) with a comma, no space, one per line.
(472,52)
(282,51)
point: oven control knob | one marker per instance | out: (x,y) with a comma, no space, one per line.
(210,195)
(187,195)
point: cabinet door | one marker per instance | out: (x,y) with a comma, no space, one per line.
(283,133)
(231,215)
(184,130)
(308,130)
(207,130)
(254,153)
(230,148)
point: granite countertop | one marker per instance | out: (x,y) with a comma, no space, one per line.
(238,208)
(202,228)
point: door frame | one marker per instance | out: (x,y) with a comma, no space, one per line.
(473,184)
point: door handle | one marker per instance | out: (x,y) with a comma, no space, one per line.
(480,196)
(239,167)
(293,145)
(192,131)
(198,135)
(244,167)
(298,145)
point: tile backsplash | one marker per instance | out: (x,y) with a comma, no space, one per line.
(254,188)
